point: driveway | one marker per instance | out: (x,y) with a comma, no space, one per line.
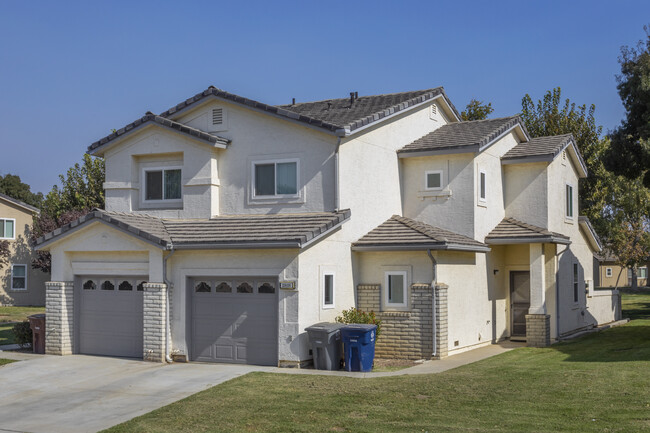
(50,394)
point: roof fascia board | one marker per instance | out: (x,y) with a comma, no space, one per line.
(443,151)
(528,159)
(238,245)
(500,136)
(591,234)
(326,233)
(528,240)
(25,206)
(421,247)
(576,158)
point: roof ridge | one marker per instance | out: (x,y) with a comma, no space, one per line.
(515,116)
(19,202)
(425,91)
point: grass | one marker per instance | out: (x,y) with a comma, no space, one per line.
(4,361)
(6,333)
(18,314)
(597,383)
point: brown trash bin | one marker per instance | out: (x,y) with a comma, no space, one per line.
(37,323)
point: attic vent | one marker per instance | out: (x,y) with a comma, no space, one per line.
(433,112)
(564,157)
(217,116)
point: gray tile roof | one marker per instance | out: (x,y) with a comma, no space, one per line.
(19,203)
(512,231)
(540,146)
(251,231)
(150,117)
(471,135)
(408,234)
(336,115)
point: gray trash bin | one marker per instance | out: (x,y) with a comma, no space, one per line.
(325,340)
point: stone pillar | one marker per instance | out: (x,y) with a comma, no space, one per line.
(154,319)
(440,316)
(538,330)
(59,323)
(537,280)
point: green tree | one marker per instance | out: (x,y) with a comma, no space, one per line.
(476,110)
(630,150)
(11,185)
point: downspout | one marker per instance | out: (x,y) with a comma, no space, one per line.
(168,283)
(337,198)
(434,266)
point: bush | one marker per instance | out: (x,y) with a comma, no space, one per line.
(22,334)
(355,315)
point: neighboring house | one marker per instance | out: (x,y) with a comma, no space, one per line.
(19,283)
(612,275)
(232,225)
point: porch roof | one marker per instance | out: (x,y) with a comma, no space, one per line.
(512,231)
(401,233)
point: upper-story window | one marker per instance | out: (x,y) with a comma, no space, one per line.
(278,178)
(162,184)
(569,201)
(482,186)
(433,180)
(7,228)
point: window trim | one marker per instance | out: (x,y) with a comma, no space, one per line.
(143,189)
(14,234)
(388,304)
(566,201)
(575,270)
(275,173)
(483,199)
(426,180)
(12,278)
(609,272)
(324,273)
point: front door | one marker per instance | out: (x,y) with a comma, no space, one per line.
(519,302)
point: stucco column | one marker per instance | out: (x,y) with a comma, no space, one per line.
(59,319)
(537,280)
(440,313)
(154,317)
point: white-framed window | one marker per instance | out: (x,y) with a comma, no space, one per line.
(162,184)
(568,201)
(19,277)
(396,289)
(482,186)
(433,180)
(608,272)
(275,178)
(642,272)
(7,228)
(576,282)
(328,282)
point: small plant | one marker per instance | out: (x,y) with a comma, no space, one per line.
(355,315)
(22,334)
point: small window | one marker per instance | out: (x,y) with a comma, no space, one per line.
(19,277)
(395,295)
(7,228)
(125,286)
(433,179)
(202,287)
(482,187)
(608,272)
(266,288)
(223,287)
(162,184)
(90,285)
(328,290)
(244,288)
(140,286)
(576,279)
(642,273)
(273,179)
(108,285)
(569,201)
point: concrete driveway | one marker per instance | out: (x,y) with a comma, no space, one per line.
(50,394)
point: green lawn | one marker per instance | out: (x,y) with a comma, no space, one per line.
(18,314)
(4,361)
(6,334)
(598,383)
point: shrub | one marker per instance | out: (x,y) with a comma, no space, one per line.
(355,315)
(22,334)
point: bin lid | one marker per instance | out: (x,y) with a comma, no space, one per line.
(325,327)
(359,327)
(37,316)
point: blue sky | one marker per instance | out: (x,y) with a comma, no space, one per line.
(72,71)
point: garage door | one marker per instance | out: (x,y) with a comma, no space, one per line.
(110,316)
(234,320)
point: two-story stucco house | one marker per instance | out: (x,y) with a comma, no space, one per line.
(232,225)
(20,285)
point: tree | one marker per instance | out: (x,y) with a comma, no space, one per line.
(5,253)
(476,110)
(82,189)
(12,186)
(630,150)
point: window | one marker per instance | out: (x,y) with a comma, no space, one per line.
(569,201)
(244,288)
(162,184)
(266,288)
(608,272)
(395,294)
(482,186)
(328,290)
(125,286)
(642,273)
(19,277)
(7,228)
(433,179)
(576,278)
(275,178)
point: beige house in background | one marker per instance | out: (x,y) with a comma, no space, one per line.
(19,284)
(232,225)
(611,274)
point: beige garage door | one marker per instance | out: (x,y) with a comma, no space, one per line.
(234,320)
(110,316)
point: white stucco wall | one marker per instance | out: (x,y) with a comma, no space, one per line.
(526,194)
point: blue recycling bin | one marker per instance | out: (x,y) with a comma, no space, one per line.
(359,346)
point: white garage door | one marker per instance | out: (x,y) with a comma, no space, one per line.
(234,320)
(110,316)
